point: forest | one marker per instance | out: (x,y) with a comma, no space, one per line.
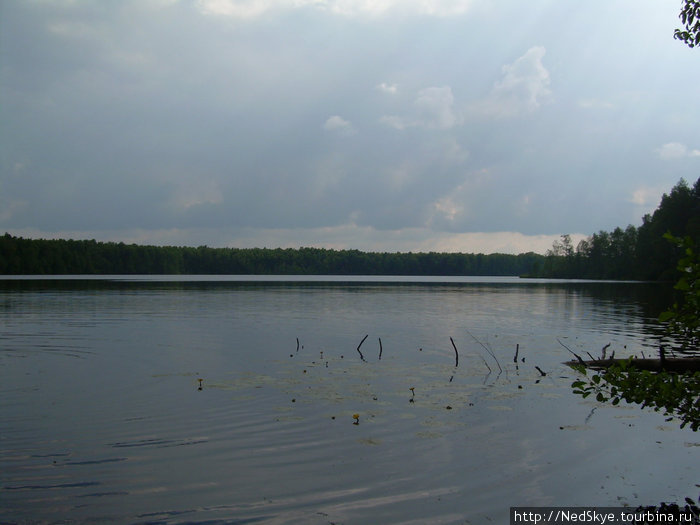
(40,256)
(635,253)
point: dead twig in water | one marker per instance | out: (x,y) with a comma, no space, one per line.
(589,416)
(572,352)
(515,357)
(358,347)
(297,344)
(380,348)
(486,363)
(490,352)
(540,371)
(456,352)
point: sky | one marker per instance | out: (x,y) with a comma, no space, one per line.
(379,125)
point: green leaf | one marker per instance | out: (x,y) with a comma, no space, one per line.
(666,316)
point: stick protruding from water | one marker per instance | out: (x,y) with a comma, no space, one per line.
(456,352)
(358,347)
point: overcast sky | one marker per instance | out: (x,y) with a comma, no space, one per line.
(384,125)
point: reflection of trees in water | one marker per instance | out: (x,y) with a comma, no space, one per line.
(638,304)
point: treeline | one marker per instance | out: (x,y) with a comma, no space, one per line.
(40,256)
(638,253)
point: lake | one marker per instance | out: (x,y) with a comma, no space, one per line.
(103,419)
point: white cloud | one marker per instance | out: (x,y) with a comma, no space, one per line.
(345,236)
(339,124)
(390,89)
(442,7)
(646,196)
(457,205)
(676,150)
(72,29)
(394,121)
(253,8)
(435,107)
(238,8)
(438,8)
(432,108)
(522,89)
(494,242)
(449,208)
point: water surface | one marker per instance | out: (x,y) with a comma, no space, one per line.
(103,419)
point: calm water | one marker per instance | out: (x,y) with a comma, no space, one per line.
(101,418)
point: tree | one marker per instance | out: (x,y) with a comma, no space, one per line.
(690,16)
(683,319)
(676,395)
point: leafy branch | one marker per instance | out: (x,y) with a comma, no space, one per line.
(676,395)
(690,16)
(683,319)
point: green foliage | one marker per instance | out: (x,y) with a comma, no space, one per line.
(634,253)
(676,395)
(690,16)
(683,319)
(39,256)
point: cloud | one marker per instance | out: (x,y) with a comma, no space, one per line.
(343,237)
(396,122)
(374,8)
(457,206)
(197,192)
(207,114)
(522,89)
(9,208)
(675,151)
(646,197)
(433,108)
(340,125)
(239,8)
(594,103)
(390,89)
(437,8)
